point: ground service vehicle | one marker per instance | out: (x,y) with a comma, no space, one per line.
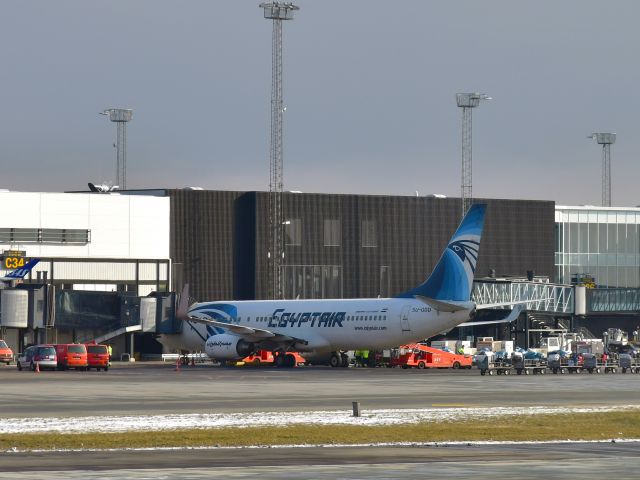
(97,357)
(44,356)
(422,356)
(265,357)
(6,354)
(71,355)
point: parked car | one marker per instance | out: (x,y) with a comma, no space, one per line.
(6,354)
(97,357)
(42,355)
(72,355)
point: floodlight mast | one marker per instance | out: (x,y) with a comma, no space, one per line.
(121,116)
(277,12)
(606,140)
(467,101)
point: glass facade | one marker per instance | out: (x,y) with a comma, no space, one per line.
(598,242)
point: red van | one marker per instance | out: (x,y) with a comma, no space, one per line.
(6,354)
(71,355)
(98,357)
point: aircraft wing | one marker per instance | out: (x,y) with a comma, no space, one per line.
(248,333)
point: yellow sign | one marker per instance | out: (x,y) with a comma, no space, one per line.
(11,263)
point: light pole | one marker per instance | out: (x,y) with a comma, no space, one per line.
(606,140)
(467,101)
(121,116)
(277,12)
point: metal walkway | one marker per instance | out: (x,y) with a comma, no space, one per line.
(536,296)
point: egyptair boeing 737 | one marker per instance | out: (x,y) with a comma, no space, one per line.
(235,329)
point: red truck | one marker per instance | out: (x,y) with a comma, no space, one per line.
(265,357)
(422,356)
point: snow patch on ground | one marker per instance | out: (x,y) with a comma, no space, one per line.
(275,419)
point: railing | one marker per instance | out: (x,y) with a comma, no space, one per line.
(542,297)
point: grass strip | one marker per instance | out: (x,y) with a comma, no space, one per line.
(587,426)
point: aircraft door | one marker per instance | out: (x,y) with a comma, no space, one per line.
(404,319)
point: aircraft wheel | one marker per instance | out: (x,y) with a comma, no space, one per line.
(598,370)
(527,372)
(344,360)
(490,372)
(280,361)
(335,360)
(507,372)
(483,373)
(289,360)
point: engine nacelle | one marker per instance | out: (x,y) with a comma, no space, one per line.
(228,347)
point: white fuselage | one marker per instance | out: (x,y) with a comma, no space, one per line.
(325,325)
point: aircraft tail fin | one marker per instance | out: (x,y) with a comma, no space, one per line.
(22,272)
(452,277)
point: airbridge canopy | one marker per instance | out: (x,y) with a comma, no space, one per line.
(537,296)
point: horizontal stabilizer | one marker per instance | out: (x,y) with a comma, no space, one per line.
(440,305)
(513,315)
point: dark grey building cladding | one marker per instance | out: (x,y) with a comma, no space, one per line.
(343,245)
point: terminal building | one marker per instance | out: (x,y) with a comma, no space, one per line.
(110,261)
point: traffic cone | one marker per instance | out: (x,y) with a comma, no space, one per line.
(177,369)
(37,370)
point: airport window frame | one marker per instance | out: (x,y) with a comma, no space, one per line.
(293,232)
(368,233)
(62,236)
(332,232)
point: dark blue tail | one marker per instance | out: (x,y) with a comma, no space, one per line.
(452,278)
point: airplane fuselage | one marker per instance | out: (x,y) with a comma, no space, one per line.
(325,325)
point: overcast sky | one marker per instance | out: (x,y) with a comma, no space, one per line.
(369,90)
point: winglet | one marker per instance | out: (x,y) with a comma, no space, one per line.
(183,303)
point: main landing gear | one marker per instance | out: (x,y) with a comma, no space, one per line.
(339,359)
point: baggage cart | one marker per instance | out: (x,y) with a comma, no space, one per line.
(487,366)
(529,366)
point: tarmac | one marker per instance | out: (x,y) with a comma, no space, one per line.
(156,388)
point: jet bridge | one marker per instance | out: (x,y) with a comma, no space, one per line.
(535,296)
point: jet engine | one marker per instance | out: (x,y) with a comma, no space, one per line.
(228,347)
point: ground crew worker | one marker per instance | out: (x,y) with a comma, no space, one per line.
(460,350)
(110,352)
